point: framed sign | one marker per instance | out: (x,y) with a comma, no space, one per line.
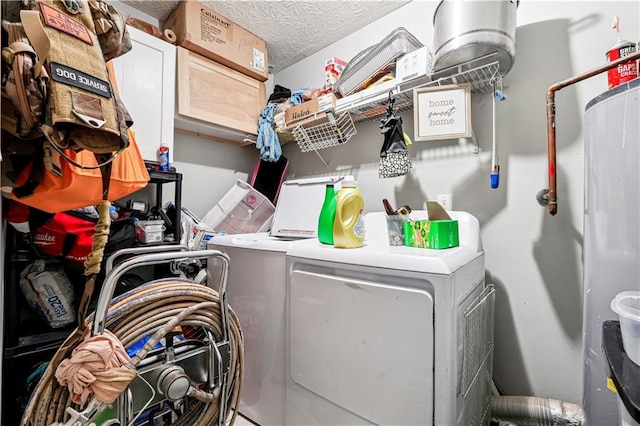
(442,112)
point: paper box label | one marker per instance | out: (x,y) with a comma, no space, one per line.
(418,63)
(309,111)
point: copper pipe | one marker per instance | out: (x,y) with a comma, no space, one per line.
(550,197)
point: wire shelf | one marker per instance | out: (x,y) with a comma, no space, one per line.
(378,108)
(336,129)
(481,78)
(374,106)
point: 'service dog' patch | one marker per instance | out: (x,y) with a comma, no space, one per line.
(58,20)
(73,77)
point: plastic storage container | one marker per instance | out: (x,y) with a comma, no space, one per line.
(327,216)
(627,305)
(348,228)
(242,210)
(375,61)
(395,230)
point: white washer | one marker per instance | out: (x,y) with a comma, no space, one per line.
(256,293)
(389,335)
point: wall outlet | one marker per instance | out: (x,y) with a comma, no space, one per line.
(446,201)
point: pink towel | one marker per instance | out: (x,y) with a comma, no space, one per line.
(95,367)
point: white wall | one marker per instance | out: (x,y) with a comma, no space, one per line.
(534,259)
(209,169)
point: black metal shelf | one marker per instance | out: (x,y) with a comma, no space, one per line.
(160,178)
(36,343)
(27,339)
(30,337)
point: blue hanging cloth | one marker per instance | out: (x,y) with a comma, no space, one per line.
(267,141)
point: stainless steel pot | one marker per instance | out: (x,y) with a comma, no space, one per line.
(480,31)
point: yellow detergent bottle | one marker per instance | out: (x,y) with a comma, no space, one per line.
(348,227)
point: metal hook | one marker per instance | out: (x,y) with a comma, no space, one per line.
(390,102)
(389,112)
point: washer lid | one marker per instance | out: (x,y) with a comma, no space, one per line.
(255,241)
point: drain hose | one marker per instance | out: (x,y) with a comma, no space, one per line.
(532,411)
(140,313)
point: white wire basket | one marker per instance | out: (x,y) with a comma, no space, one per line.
(332,130)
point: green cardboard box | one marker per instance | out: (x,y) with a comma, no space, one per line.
(431,234)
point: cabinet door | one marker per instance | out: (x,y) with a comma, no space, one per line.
(146,77)
(217,95)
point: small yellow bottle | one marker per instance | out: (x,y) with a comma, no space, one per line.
(348,227)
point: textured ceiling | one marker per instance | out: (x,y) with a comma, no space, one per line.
(293,30)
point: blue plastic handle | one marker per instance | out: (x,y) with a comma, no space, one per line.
(495,180)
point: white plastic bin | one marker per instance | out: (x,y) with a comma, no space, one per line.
(627,305)
(242,210)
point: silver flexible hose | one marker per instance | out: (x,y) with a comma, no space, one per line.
(140,313)
(532,411)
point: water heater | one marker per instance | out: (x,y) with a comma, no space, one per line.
(611,230)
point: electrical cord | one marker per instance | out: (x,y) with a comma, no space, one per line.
(139,313)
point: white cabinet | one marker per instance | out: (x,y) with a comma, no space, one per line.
(146,78)
(216,102)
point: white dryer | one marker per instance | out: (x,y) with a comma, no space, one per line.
(389,335)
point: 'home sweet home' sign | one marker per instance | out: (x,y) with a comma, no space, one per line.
(442,112)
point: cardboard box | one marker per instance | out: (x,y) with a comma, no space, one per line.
(333,67)
(431,234)
(195,233)
(200,236)
(150,231)
(206,32)
(310,111)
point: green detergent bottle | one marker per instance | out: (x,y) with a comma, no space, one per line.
(327,215)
